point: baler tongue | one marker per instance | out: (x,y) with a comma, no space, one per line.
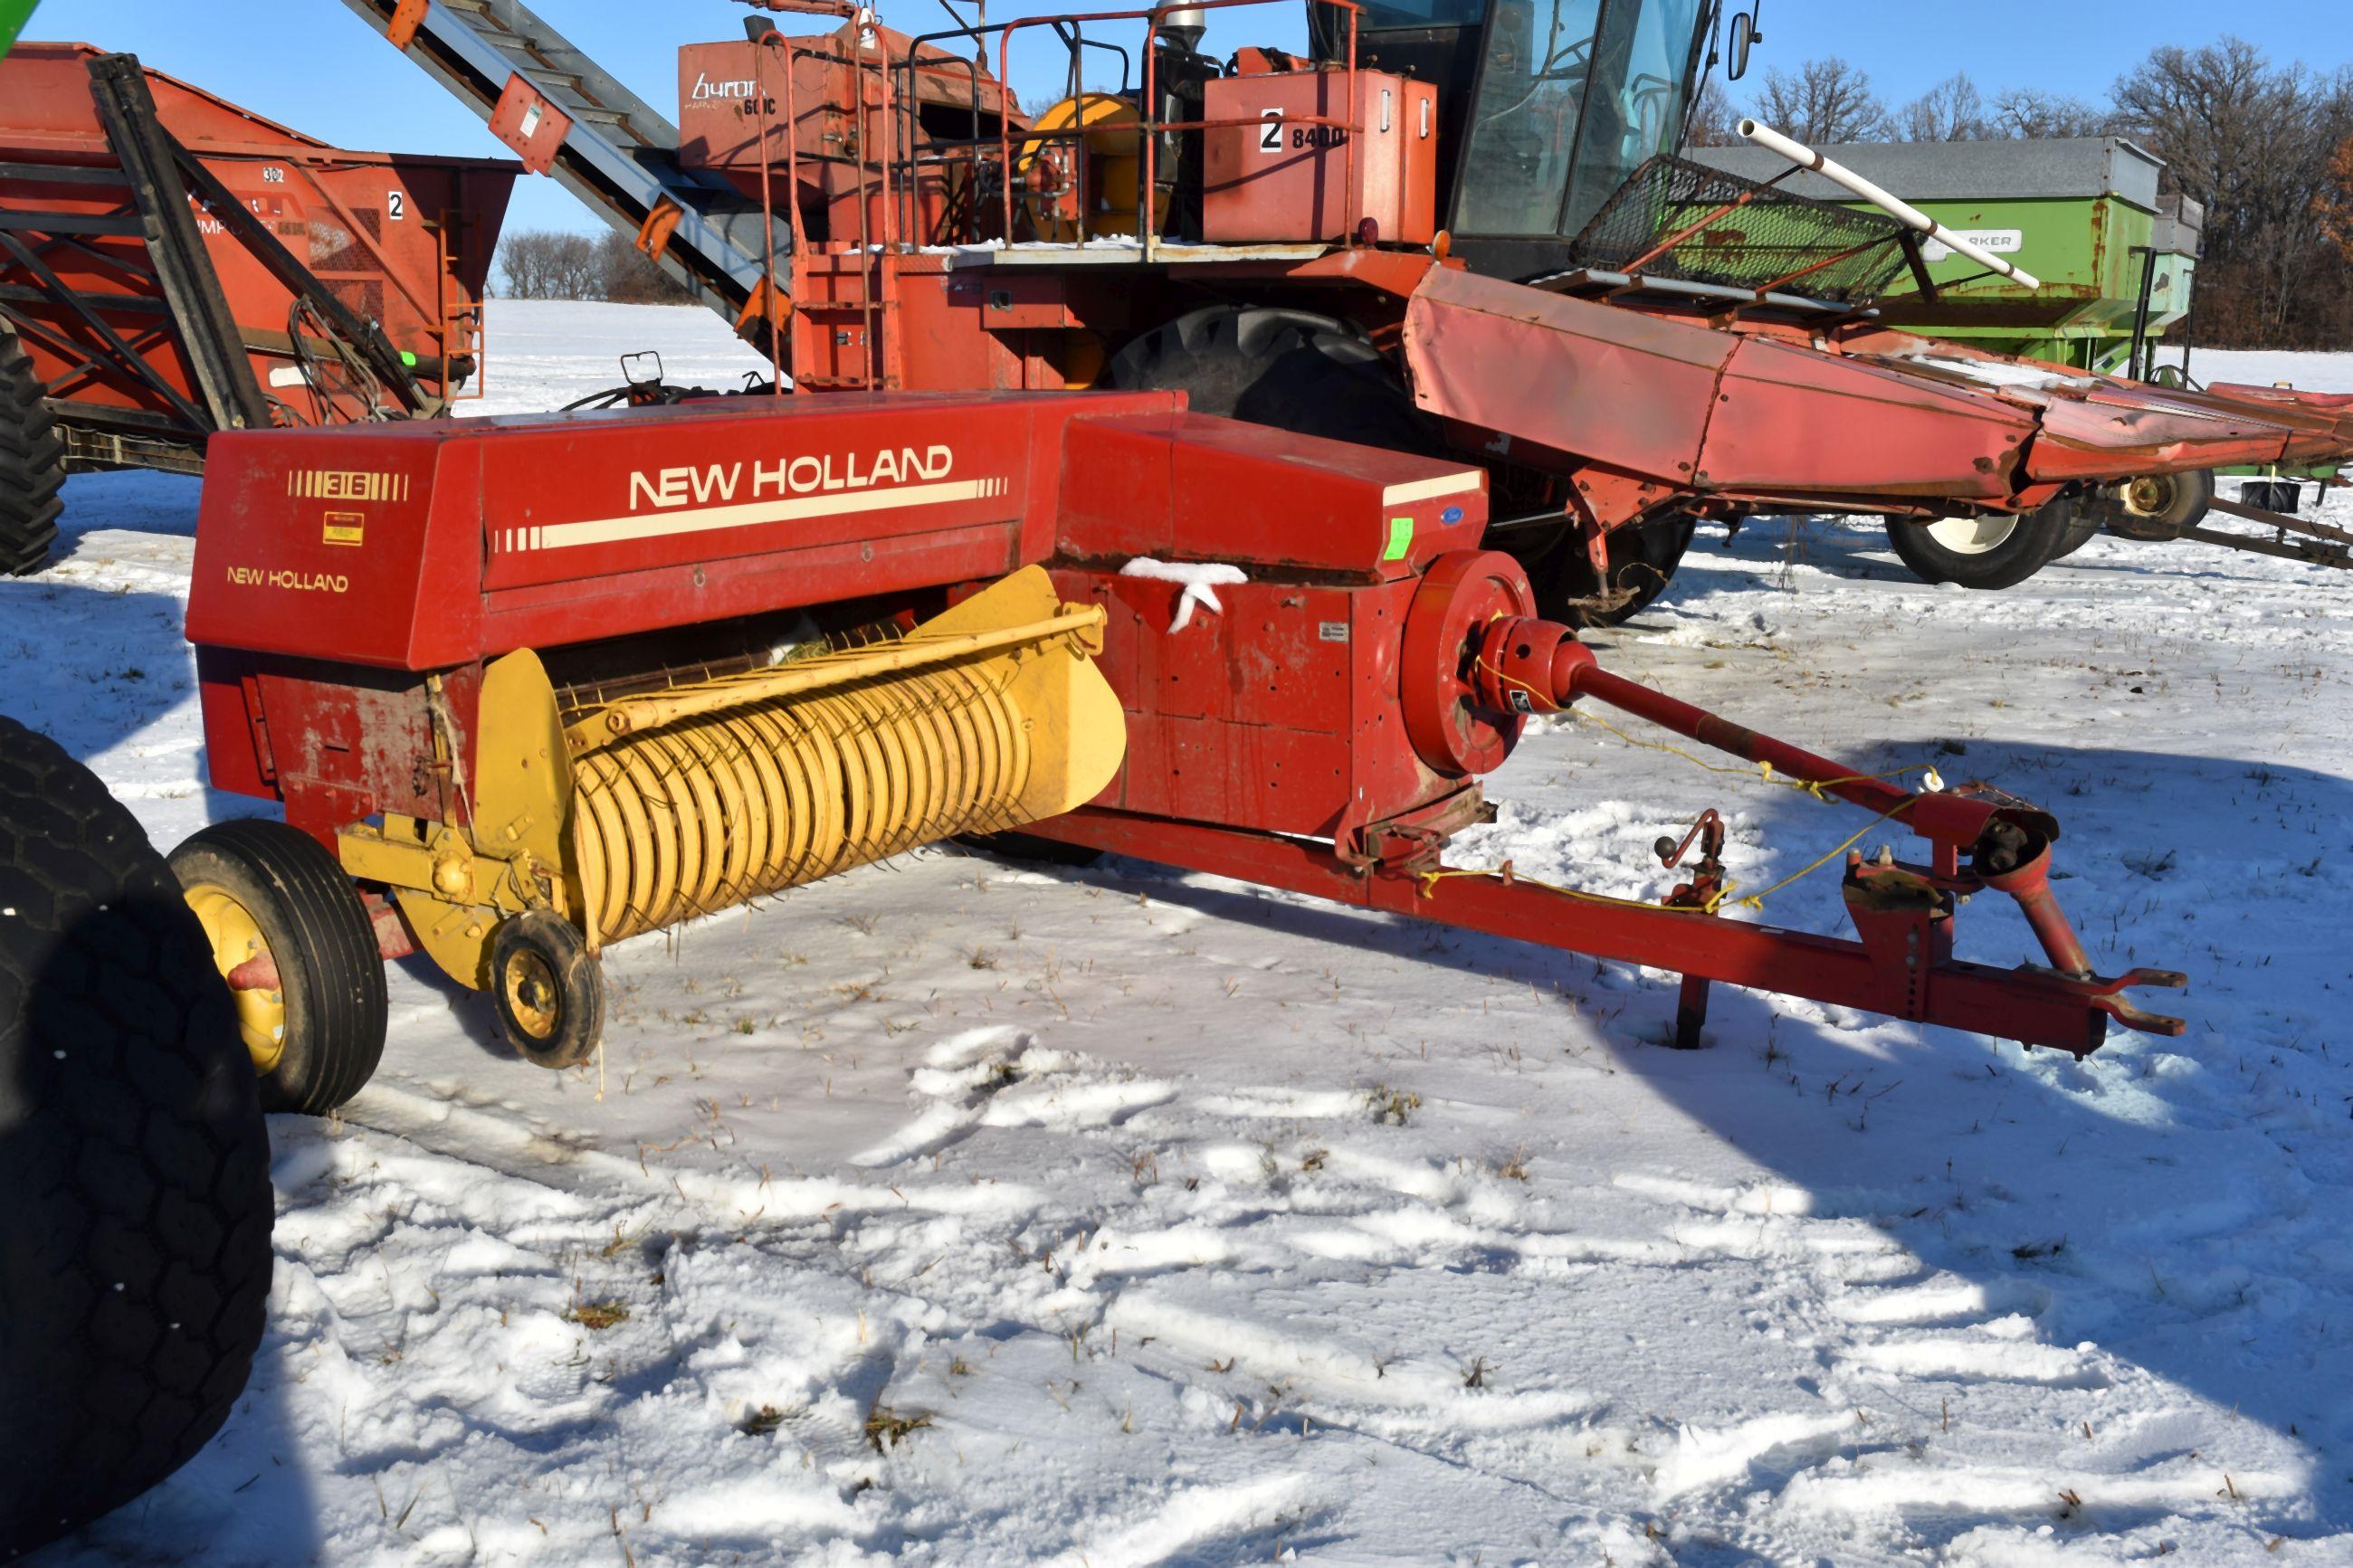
(1982,839)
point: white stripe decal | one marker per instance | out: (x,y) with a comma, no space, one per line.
(1428,490)
(658,525)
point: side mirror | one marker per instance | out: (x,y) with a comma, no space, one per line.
(1744,35)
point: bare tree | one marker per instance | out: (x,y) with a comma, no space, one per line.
(2030,114)
(1828,102)
(1952,111)
(547,264)
(2252,142)
(2336,203)
(626,275)
(1715,121)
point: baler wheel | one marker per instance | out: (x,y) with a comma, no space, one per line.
(135,1233)
(32,463)
(547,989)
(1998,551)
(262,889)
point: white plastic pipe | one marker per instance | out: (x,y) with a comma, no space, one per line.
(1903,211)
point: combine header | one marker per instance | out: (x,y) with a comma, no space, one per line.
(1428,235)
(530,685)
(172,266)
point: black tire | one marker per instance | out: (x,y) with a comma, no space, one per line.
(1294,370)
(2031,542)
(312,924)
(32,463)
(547,989)
(2080,532)
(134,1235)
(1642,562)
(2157,506)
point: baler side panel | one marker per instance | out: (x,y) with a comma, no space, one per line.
(1192,488)
(317,543)
(1276,713)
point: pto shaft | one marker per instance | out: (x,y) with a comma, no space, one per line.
(1535,666)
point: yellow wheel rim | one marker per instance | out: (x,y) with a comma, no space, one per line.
(2149,494)
(533,1000)
(236,939)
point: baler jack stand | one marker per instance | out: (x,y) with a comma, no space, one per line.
(1703,892)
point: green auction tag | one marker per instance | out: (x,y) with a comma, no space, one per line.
(1401,538)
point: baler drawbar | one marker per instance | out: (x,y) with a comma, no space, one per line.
(530,685)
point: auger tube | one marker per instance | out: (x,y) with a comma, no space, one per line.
(1893,206)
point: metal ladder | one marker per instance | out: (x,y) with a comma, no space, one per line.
(616,155)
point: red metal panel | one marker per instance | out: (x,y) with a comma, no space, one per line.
(1277,712)
(433,543)
(1247,492)
(316,543)
(1275,179)
(1788,418)
(235,740)
(1617,387)
(531,122)
(2087,438)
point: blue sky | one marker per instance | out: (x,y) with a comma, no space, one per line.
(315,65)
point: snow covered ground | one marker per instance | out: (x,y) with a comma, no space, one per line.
(955,1212)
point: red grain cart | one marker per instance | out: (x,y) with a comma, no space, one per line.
(172,265)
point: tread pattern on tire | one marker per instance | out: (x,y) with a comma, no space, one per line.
(319,898)
(32,463)
(134,1241)
(1292,370)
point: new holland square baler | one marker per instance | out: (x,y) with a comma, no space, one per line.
(530,685)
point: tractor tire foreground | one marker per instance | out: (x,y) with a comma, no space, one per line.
(1313,376)
(32,463)
(135,1240)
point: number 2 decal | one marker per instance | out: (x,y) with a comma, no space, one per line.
(395,204)
(1270,137)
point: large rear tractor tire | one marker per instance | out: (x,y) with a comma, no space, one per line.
(1997,551)
(32,463)
(1294,370)
(134,1171)
(263,890)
